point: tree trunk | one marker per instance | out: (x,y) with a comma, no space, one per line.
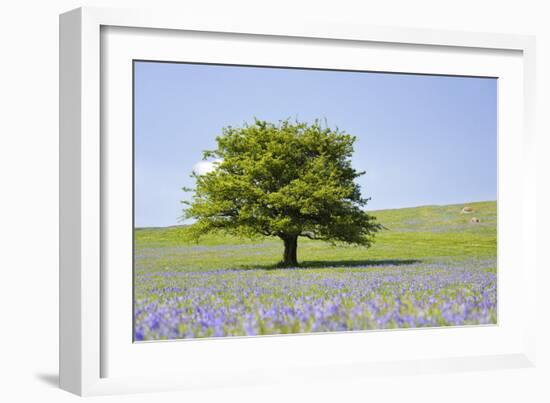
(290,255)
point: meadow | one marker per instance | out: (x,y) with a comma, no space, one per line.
(430,266)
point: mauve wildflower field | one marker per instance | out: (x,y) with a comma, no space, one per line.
(430,267)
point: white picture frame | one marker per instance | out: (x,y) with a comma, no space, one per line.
(86,333)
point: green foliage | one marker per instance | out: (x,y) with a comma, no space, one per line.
(285,180)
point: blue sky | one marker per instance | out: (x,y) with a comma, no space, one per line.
(421,139)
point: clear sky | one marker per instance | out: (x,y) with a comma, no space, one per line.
(421,139)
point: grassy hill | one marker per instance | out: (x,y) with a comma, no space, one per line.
(427,233)
(430,267)
(447,218)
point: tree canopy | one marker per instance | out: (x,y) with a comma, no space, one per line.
(287,180)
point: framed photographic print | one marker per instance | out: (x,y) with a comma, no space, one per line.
(395,226)
(245,202)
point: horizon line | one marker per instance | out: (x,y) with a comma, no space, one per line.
(369,211)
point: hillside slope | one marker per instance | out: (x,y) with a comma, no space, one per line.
(447,218)
(431,267)
(426,234)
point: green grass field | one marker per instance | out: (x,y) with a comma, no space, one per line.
(437,265)
(429,233)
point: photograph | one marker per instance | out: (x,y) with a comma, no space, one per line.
(271,200)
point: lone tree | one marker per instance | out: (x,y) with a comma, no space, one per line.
(287,180)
